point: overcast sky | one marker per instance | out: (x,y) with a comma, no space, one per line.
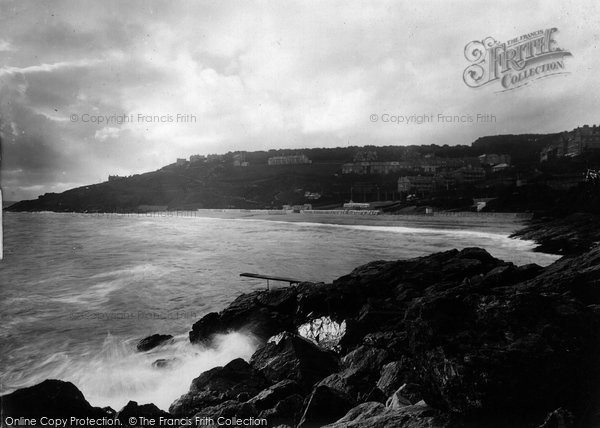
(260,75)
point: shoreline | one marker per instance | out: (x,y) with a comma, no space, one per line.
(507,222)
(395,348)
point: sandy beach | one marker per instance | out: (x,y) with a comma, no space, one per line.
(498,222)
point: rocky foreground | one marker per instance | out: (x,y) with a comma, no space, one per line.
(454,339)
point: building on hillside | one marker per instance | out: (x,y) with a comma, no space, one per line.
(433,165)
(469,175)
(214,158)
(197,158)
(417,184)
(493,159)
(574,143)
(383,168)
(289,160)
(239,159)
(357,206)
(583,139)
(181,162)
(115,177)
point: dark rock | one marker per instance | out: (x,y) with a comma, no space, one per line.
(287,411)
(578,275)
(109,411)
(360,372)
(242,397)
(392,377)
(412,391)
(166,363)
(481,352)
(365,361)
(374,395)
(275,393)
(415,416)
(218,385)
(262,313)
(294,358)
(481,339)
(361,412)
(397,401)
(324,406)
(228,409)
(572,234)
(408,394)
(153,341)
(559,418)
(51,398)
(133,409)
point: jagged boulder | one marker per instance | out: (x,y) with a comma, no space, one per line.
(529,347)
(287,411)
(269,397)
(374,415)
(359,374)
(408,394)
(166,363)
(218,385)
(262,313)
(295,358)
(361,413)
(325,405)
(51,398)
(393,376)
(153,341)
(227,409)
(134,410)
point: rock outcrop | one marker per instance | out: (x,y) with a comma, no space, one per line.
(51,398)
(469,334)
(295,358)
(572,234)
(454,339)
(151,342)
(235,380)
(134,411)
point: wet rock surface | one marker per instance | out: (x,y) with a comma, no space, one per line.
(571,234)
(453,339)
(151,342)
(218,385)
(134,411)
(295,358)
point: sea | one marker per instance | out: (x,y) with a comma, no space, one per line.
(78,291)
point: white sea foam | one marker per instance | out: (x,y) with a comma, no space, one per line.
(117,373)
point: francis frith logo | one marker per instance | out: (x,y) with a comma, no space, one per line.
(516,62)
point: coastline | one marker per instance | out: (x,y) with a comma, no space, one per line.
(427,341)
(506,222)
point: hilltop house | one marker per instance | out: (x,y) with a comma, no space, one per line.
(289,160)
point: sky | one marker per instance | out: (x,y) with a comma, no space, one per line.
(256,75)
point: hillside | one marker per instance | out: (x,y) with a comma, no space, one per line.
(217,183)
